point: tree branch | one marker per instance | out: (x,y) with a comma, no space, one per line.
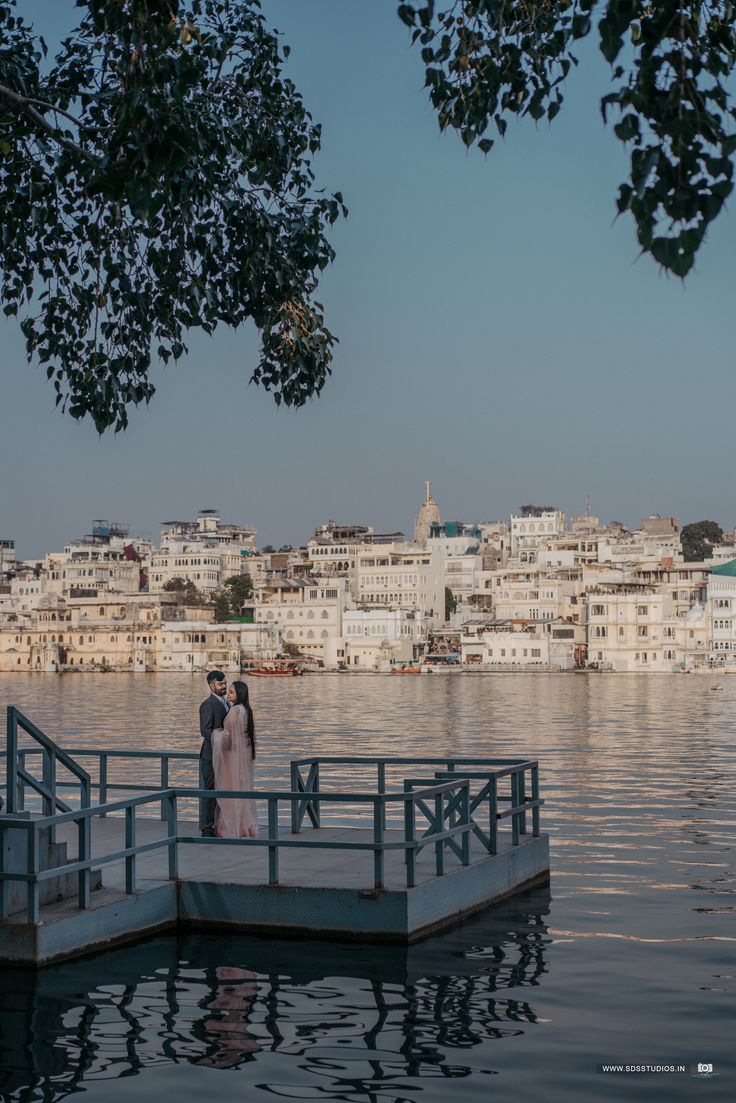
(25,106)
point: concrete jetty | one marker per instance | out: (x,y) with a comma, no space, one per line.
(448,838)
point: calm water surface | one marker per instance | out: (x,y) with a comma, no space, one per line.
(629,956)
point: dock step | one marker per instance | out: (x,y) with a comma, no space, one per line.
(51,854)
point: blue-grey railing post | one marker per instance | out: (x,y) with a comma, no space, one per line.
(382,789)
(317,818)
(514,805)
(273,841)
(522,800)
(535,799)
(171,832)
(4,885)
(129,843)
(84,829)
(47,777)
(379,814)
(465,822)
(11,783)
(294,782)
(493,814)
(103,782)
(439,825)
(32,867)
(164,783)
(409,839)
(21,782)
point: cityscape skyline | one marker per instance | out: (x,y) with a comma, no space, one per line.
(496,333)
(403,526)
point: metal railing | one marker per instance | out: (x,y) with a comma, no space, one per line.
(451,802)
(450,821)
(489,773)
(18,776)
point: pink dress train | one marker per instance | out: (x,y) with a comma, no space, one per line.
(233,765)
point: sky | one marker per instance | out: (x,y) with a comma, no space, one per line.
(499,335)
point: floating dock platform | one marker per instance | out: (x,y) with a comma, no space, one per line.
(454,837)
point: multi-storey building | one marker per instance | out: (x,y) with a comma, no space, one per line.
(722,594)
(307,611)
(401,576)
(635,629)
(530,527)
(203,552)
(523,644)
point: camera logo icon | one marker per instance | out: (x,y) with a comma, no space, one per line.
(704,1068)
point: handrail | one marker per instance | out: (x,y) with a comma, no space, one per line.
(441,836)
(53,755)
(515,768)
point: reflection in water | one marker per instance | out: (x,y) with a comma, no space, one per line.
(352,1018)
(639,776)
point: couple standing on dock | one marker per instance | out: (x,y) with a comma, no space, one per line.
(226,759)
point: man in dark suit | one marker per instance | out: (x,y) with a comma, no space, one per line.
(212,713)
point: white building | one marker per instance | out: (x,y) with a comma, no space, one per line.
(529,528)
(635,629)
(203,552)
(722,602)
(307,611)
(522,644)
(376,638)
(401,576)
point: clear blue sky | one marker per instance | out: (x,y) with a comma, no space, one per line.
(497,335)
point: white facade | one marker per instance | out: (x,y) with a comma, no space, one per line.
(526,645)
(528,532)
(401,576)
(722,602)
(308,615)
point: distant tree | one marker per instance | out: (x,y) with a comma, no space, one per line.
(291,650)
(157,177)
(268,550)
(185,591)
(672,66)
(286,548)
(222,607)
(535,511)
(450,602)
(238,590)
(698,538)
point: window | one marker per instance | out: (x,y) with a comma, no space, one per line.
(642,610)
(642,631)
(536,652)
(598,611)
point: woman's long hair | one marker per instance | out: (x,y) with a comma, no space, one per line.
(241,698)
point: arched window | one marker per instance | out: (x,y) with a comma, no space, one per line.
(310,614)
(310,634)
(324,633)
(81,640)
(290,635)
(61,639)
(325,615)
(290,615)
(102,611)
(28,641)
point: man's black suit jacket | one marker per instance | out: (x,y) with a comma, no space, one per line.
(212,713)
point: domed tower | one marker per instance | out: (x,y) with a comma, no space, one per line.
(429,514)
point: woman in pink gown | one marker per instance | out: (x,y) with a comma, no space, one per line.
(233,753)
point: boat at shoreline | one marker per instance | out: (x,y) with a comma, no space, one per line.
(274,668)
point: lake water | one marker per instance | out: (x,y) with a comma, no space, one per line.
(628,957)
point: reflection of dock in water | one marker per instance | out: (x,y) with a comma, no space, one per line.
(350,1016)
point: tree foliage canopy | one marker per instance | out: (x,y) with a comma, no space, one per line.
(156,176)
(487,61)
(698,538)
